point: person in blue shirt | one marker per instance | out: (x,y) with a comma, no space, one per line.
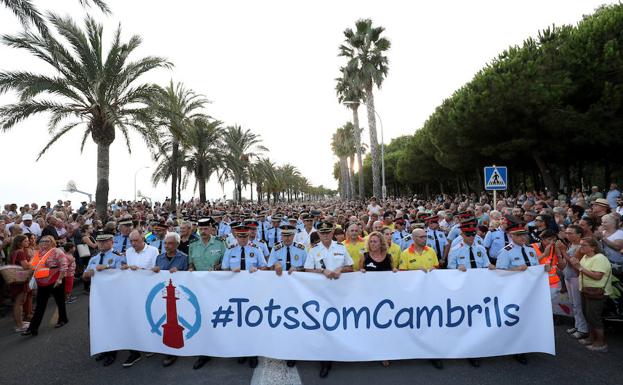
(274,233)
(222,228)
(287,255)
(106,258)
(436,239)
(240,257)
(253,225)
(496,239)
(262,227)
(399,231)
(121,241)
(172,260)
(160,230)
(517,256)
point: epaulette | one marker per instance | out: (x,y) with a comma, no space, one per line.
(278,246)
(339,243)
(222,238)
(508,247)
(299,245)
(407,238)
(261,240)
(232,246)
(116,252)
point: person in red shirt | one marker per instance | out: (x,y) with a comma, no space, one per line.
(19,291)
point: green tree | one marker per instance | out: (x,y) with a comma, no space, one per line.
(242,146)
(91,89)
(366,50)
(342,147)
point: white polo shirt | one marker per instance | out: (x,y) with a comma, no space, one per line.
(146,259)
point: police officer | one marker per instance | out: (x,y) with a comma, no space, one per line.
(243,256)
(262,227)
(517,256)
(274,233)
(253,225)
(399,233)
(477,239)
(308,228)
(121,241)
(106,258)
(435,238)
(222,228)
(496,239)
(160,230)
(287,254)
(331,259)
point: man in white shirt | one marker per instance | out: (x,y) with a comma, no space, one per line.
(303,235)
(140,255)
(28,227)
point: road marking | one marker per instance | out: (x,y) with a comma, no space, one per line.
(275,372)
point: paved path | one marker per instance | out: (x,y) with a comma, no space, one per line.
(62,358)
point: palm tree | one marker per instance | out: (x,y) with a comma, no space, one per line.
(203,146)
(98,90)
(341,148)
(242,146)
(263,173)
(27,12)
(173,110)
(351,94)
(365,50)
(289,175)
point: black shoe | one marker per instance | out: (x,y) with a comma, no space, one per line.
(100,356)
(521,358)
(110,358)
(242,360)
(290,363)
(29,332)
(169,360)
(475,362)
(324,370)
(253,362)
(60,324)
(200,362)
(132,359)
(438,364)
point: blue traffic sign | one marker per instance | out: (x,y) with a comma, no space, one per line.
(496,178)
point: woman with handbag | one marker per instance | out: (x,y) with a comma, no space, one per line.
(49,267)
(20,291)
(595,285)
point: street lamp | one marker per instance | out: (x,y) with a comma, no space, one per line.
(383,189)
(135,174)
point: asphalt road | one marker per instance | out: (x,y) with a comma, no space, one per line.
(62,357)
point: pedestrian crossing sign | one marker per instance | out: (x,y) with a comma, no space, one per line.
(496,178)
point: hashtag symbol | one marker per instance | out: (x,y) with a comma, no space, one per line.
(223,316)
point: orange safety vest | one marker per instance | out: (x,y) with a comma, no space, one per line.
(38,264)
(552,260)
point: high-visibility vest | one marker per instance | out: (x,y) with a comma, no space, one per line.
(38,264)
(552,260)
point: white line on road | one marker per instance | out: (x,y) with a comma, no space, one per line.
(274,372)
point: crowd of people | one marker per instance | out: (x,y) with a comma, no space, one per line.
(577,239)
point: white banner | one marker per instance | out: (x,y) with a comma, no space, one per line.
(305,316)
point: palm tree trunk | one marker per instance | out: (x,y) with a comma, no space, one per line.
(351,176)
(361,192)
(174,155)
(179,183)
(374,144)
(103,172)
(344,178)
(201,180)
(251,188)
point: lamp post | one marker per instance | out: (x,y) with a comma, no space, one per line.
(383,189)
(135,174)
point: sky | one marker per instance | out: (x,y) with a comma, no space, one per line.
(270,66)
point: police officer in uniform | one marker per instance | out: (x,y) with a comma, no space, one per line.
(435,238)
(121,241)
(399,233)
(243,256)
(274,233)
(106,258)
(331,259)
(496,239)
(261,244)
(160,230)
(517,256)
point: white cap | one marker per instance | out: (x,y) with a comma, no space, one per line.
(27,217)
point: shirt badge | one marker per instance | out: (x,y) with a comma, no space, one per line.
(110,261)
(296,257)
(250,254)
(479,253)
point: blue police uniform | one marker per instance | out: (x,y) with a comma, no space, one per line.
(179,261)
(108,258)
(436,240)
(454,232)
(512,256)
(274,236)
(223,229)
(477,240)
(121,243)
(253,257)
(405,242)
(398,236)
(297,255)
(158,244)
(262,231)
(262,246)
(495,240)
(460,255)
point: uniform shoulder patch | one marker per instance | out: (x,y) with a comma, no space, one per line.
(222,238)
(278,246)
(340,243)
(232,246)
(407,238)
(508,247)
(299,245)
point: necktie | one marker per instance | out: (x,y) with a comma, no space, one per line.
(288,258)
(160,247)
(262,235)
(275,241)
(505,239)
(437,244)
(125,242)
(525,256)
(243,264)
(102,258)
(472,260)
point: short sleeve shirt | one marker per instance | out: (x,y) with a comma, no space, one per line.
(411,260)
(206,256)
(597,262)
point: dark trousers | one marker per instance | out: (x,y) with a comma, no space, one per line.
(43,295)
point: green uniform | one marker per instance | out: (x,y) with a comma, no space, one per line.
(204,257)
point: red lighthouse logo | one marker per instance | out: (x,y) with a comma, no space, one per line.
(172,335)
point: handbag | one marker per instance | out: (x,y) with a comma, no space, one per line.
(15,274)
(595,292)
(83,250)
(32,284)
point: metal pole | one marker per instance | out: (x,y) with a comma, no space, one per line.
(383,188)
(495,199)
